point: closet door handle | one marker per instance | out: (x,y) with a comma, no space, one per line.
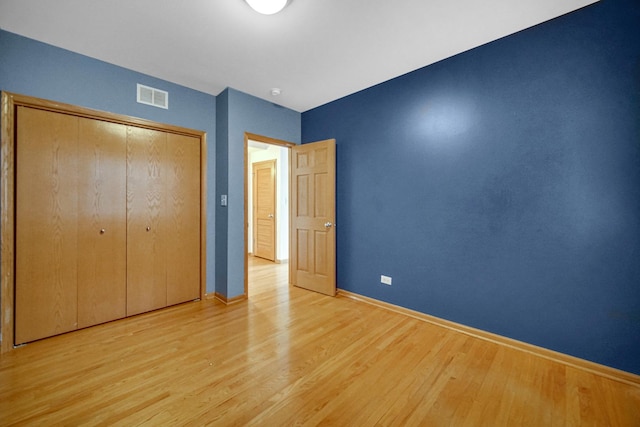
(102,231)
(148,228)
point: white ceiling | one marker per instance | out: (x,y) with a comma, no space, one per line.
(316,51)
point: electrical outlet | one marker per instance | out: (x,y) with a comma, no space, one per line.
(386,280)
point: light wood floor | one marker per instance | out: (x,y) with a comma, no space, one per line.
(294,357)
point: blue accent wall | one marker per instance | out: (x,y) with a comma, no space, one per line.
(500,188)
(40,70)
(240,113)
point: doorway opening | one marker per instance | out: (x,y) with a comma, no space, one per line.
(266,203)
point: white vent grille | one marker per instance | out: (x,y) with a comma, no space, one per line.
(151,96)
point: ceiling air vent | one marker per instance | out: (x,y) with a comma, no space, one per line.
(151,96)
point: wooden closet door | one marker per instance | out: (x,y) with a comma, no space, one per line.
(264,209)
(146,229)
(183,216)
(102,214)
(46,224)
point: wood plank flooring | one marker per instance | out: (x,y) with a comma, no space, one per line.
(293,357)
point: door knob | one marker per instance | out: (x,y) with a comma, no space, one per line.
(148,228)
(270,215)
(102,231)
(328,224)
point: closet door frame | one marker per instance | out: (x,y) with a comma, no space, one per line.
(8,108)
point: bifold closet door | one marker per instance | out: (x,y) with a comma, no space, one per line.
(102,230)
(107,221)
(146,228)
(183,216)
(46,224)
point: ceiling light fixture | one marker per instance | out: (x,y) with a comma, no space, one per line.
(267,7)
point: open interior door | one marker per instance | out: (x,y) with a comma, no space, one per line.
(313,235)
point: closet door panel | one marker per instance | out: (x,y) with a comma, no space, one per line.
(183,217)
(46,224)
(146,230)
(102,238)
